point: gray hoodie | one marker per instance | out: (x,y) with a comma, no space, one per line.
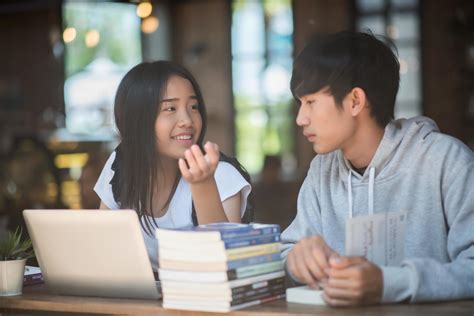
(418,169)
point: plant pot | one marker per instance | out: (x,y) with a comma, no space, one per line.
(11,277)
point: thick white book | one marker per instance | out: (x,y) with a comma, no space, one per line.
(201,254)
(220,276)
(215,266)
(304,295)
(217,292)
(213,306)
(218,287)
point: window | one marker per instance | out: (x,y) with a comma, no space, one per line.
(102,41)
(262,48)
(398,20)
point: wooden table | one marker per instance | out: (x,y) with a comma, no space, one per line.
(36,300)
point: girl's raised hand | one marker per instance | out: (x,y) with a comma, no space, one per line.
(199,168)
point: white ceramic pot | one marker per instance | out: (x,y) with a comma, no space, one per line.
(11,277)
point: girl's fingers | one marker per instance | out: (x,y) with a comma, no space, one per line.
(212,153)
(197,152)
(183,167)
(193,166)
(199,167)
(199,158)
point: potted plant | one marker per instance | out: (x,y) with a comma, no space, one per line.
(13,255)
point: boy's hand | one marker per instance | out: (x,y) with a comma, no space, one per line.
(353,281)
(308,260)
(199,168)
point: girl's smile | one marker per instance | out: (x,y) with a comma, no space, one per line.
(184,139)
(179,122)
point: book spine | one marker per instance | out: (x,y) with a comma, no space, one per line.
(250,287)
(234,300)
(234,264)
(254,240)
(258,296)
(257,302)
(251,251)
(235,234)
(272,289)
(32,279)
(248,271)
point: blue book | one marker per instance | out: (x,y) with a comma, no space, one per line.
(251,241)
(234,264)
(215,232)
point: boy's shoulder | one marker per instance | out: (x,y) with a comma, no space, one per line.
(446,146)
(422,135)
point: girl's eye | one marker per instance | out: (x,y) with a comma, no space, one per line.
(168,108)
(195,107)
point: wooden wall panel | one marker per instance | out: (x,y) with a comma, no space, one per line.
(201,42)
(31,67)
(444,62)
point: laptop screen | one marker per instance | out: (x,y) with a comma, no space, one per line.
(92,253)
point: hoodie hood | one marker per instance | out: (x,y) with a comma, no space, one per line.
(400,139)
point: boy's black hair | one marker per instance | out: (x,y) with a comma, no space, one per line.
(346,60)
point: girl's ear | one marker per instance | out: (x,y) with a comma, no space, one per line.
(357,101)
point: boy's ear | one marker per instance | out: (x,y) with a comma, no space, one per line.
(357,100)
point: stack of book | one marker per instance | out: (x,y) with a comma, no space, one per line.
(220,267)
(32,276)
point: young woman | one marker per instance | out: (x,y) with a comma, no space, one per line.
(161,168)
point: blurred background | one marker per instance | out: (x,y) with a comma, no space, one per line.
(61,62)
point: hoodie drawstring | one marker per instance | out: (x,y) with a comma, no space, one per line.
(371,191)
(349,188)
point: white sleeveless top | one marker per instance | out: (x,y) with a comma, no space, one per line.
(229,182)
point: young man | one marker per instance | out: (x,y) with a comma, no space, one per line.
(401,189)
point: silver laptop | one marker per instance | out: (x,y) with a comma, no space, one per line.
(92,253)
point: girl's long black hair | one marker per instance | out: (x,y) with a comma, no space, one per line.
(137,162)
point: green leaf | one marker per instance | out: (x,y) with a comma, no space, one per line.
(13,248)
